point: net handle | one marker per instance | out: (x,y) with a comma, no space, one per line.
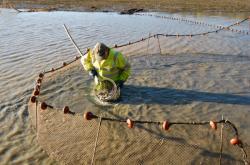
(72,40)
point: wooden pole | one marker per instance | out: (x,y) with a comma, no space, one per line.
(70,37)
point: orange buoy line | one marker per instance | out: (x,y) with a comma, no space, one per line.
(166,126)
(202,23)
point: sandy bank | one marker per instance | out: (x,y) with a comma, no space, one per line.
(148,5)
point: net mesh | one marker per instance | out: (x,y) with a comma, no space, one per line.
(70,139)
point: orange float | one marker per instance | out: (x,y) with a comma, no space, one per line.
(235,141)
(165,125)
(130,123)
(213,125)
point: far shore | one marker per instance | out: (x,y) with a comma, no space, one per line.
(196,6)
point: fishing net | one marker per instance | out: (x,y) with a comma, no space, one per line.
(69,133)
(72,140)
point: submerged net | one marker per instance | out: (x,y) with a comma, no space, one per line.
(108,137)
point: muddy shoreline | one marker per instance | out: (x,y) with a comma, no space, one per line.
(194,6)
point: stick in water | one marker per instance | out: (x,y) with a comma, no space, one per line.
(67,31)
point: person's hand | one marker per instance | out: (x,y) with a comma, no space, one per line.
(93,73)
(120,83)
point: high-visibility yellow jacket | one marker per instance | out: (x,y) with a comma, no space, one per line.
(115,66)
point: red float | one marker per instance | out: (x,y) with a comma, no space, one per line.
(36,92)
(44,106)
(33,99)
(66,109)
(130,123)
(41,75)
(88,115)
(165,125)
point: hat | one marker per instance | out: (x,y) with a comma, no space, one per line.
(99,51)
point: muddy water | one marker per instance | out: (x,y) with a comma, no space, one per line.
(197,79)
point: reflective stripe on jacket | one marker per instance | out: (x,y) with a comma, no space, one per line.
(115,66)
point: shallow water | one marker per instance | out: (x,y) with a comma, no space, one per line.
(197,79)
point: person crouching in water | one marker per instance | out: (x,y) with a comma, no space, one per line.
(103,61)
